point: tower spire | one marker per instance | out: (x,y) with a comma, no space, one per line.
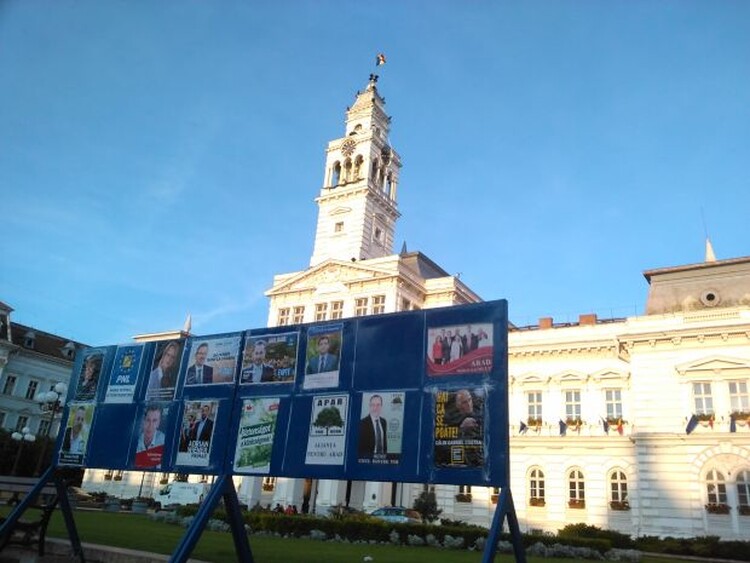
(710,256)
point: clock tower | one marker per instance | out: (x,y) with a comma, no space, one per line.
(357,209)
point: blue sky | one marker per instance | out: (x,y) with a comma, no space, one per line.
(159,158)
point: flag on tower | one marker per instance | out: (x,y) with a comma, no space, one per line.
(692,424)
(605,425)
(380,59)
(563,428)
(522,428)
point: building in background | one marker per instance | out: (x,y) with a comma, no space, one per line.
(32,362)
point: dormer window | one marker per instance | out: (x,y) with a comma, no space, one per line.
(69,350)
(29,339)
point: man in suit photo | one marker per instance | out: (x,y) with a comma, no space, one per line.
(324,361)
(258,371)
(200,372)
(373,431)
(204,428)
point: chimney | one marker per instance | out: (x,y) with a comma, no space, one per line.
(588,319)
(545,322)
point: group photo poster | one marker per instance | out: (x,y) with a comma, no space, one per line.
(88,378)
(76,437)
(212,361)
(459,349)
(197,432)
(124,375)
(326,441)
(162,379)
(255,435)
(459,427)
(151,419)
(269,358)
(323,356)
(381,428)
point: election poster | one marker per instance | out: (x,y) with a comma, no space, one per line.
(255,435)
(124,375)
(76,437)
(197,432)
(212,361)
(327,437)
(381,428)
(162,379)
(88,379)
(323,356)
(459,427)
(270,358)
(459,349)
(152,418)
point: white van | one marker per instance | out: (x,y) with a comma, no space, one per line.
(180,493)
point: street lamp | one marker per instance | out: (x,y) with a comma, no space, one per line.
(24,435)
(51,403)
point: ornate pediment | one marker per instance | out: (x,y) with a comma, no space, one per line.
(330,276)
(569,377)
(715,366)
(530,379)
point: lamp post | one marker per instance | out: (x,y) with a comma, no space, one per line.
(51,403)
(24,435)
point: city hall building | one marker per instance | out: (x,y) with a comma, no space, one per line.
(638,424)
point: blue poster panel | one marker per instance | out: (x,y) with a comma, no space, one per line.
(417,396)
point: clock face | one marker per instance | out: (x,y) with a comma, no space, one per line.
(347,148)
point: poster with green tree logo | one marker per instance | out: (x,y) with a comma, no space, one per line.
(255,435)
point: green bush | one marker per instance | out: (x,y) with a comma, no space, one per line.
(581,530)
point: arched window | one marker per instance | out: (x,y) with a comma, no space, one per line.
(374,169)
(388,184)
(358,167)
(536,487)
(348,170)
(336,174)
(716,487)
(618,490)
(576,489)
(743,491)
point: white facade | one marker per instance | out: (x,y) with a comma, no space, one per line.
(648,374)
(32,362)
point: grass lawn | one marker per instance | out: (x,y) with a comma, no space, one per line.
(135,531)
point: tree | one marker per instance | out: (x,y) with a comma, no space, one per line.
(426,505)
(329,416)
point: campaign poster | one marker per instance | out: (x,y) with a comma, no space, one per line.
(459,427)
(88,379)
(327,438)
(197,432)
(270,358)
(212,361)
(381,428)
(124,375)
(164,370)
(76,437)
(323,356)
(459,349)
(255,435)
(151,421)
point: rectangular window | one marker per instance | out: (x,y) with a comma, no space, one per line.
(321,311)
(405,305)
(464,493)
(10,385)
(43,427)
(21,421)
(573,404)
(613,402)
(2,419)
(337,309)
(535,405)
(738,396)
(704,403)
(360,306)
(283,319)
(299,315)
(338,227)
(31,389)
(378,304)
(269,483)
